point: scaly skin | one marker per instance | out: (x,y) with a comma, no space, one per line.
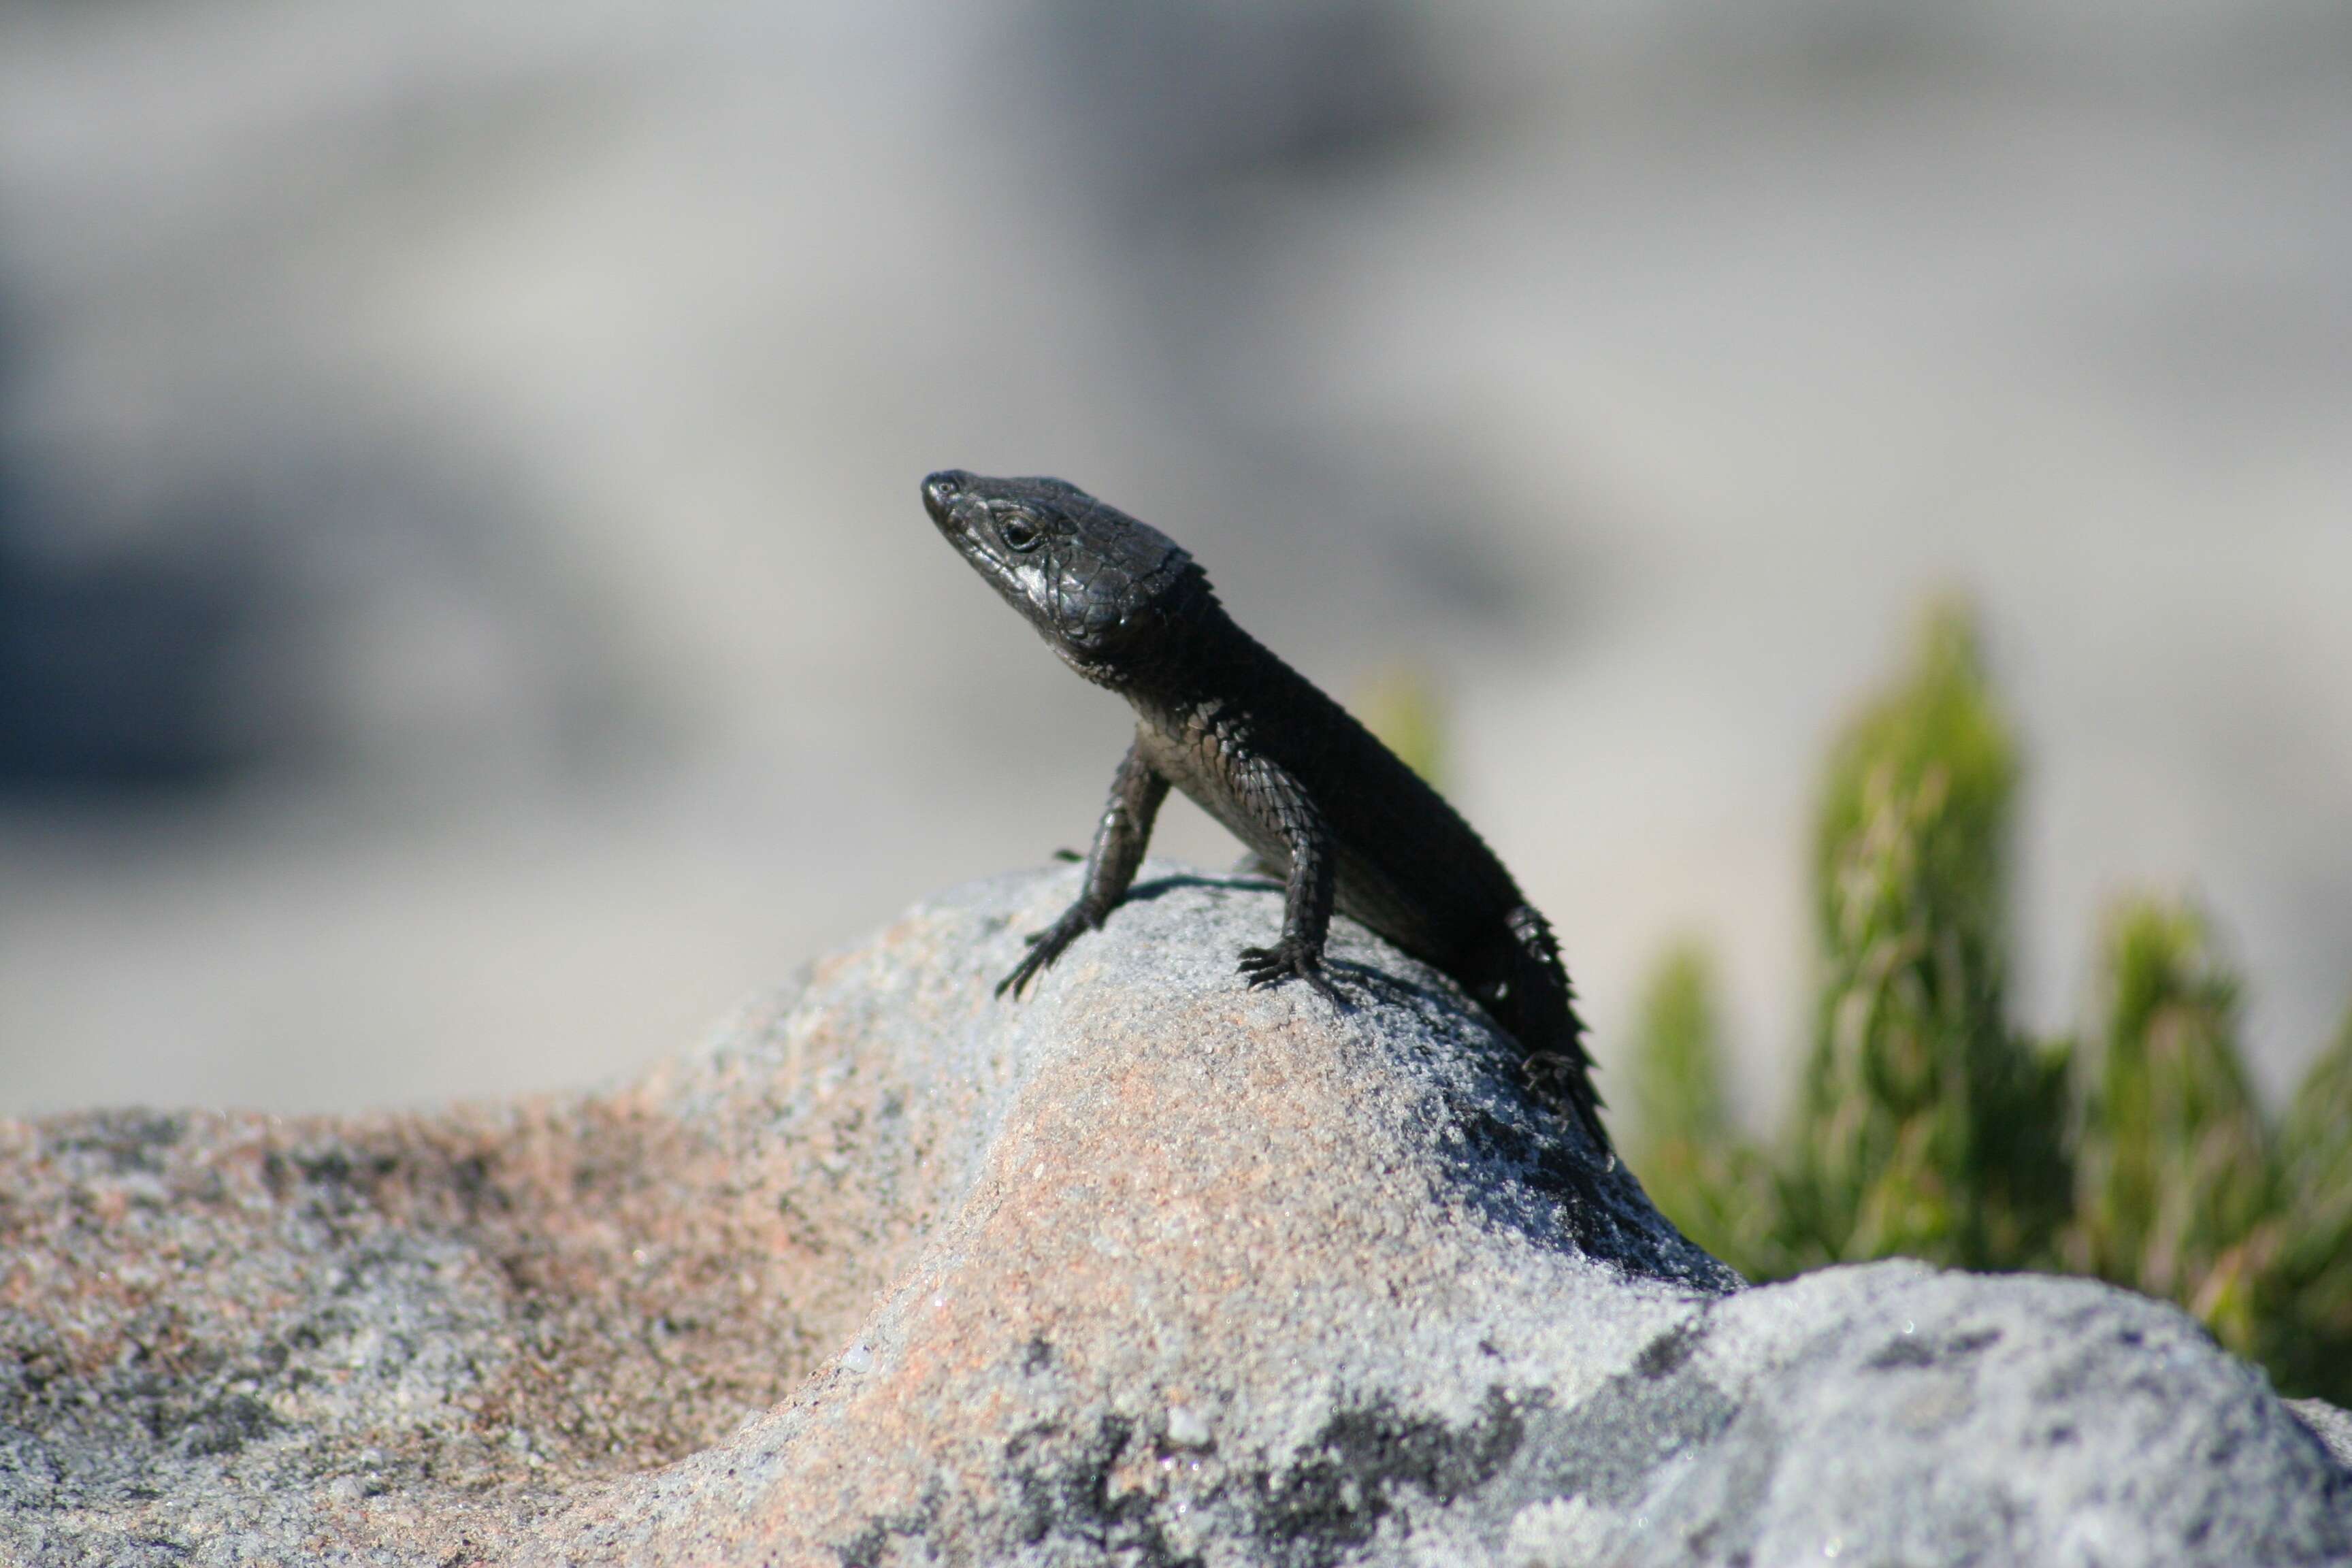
(1266,754)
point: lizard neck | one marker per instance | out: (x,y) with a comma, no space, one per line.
(1187,652)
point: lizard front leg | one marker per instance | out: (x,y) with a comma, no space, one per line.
(1279,802)
(1136,791)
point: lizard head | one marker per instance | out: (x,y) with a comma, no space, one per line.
(1093,581)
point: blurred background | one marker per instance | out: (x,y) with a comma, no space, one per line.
(465,619)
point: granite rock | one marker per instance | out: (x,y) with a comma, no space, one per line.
(1149,1268)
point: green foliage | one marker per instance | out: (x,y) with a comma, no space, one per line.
(2307,1336)
(2176,1195)
(1697,1172)
(1400,705)
(1678,1075)
(1928,1129)
(1926,1125)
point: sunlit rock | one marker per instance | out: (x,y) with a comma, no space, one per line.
(1148,1268)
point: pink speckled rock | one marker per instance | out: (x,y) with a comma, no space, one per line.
(1149,1268)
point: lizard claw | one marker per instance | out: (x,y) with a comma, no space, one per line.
(1288,960)
(1045,947)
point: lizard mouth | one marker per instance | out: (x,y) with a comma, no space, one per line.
(960,511)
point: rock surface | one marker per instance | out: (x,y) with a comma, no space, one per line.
(1147,1268)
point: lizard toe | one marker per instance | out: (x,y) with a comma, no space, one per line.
(1273,966)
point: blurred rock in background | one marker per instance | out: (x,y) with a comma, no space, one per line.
(460,574)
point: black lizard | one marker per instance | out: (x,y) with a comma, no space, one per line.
(1266,754)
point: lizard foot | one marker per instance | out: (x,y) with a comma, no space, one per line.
(1045,946)
(1288,959)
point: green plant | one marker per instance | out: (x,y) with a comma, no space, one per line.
(1697,1171)
(2176,1197)
(1928,1128)
(2306,1335)
(1402,707)
(1927,1125)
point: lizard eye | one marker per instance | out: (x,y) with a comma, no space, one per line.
(1018,533)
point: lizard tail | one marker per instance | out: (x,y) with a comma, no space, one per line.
(1538,1005)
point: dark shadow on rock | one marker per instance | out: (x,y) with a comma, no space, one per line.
(1520,1164)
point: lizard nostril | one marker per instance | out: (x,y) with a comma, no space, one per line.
(941,489)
